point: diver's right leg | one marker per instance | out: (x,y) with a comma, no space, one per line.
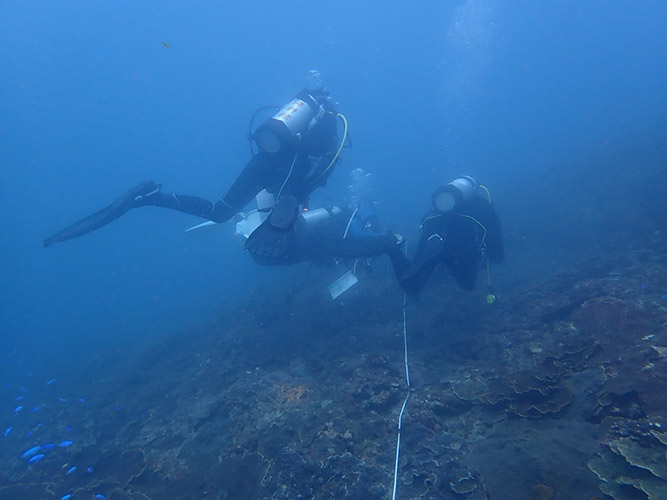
(412,279)
(247,185)
(193,205)
(145,194)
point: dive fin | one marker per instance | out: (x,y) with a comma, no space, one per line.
(203,225)
(108,214)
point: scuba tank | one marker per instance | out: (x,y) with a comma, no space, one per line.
(455,194)
(314,217)
(285,127)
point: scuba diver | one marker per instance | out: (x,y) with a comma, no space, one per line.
(324,236)
(298,148)
(318,235)
(462,232)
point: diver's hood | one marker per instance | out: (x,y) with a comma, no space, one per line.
(455,194)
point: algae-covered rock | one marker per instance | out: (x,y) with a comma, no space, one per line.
(534,404)
(471,389)
(463,485)
(634,465)
(660,436)
(612,470)
(651,458)
(654,488)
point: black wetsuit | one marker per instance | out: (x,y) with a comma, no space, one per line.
(461,241)
(296,171)
(344,234)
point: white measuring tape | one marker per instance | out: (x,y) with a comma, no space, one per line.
(407,380)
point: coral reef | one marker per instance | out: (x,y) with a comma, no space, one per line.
(301,400)
(633,463)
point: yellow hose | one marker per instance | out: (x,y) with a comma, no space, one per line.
(340,147)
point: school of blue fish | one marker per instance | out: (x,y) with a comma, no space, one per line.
(57,450)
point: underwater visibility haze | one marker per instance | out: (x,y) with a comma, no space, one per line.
(143,361)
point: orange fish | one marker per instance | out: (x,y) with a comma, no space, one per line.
(166,45)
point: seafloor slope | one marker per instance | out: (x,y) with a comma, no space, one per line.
(555,392)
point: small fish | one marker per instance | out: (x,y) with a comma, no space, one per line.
(36,408)
(36,458)
(48,446)
(31,452)
(68,429)
(62,400)
(51,381)
(89,470)
(65,444)
(99,496)
(81,400)
(66,497)
(70,471)
(29,433)
(18,409)
(166,45)
(7,431)
(19,398)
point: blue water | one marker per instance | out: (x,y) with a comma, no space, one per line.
(559,107)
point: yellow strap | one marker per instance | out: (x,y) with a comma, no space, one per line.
(488,194)
(488,270)
(421,226)
(436,235)
(478,222)
(488,273)
(340,147)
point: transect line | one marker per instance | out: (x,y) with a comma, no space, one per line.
(407,380)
